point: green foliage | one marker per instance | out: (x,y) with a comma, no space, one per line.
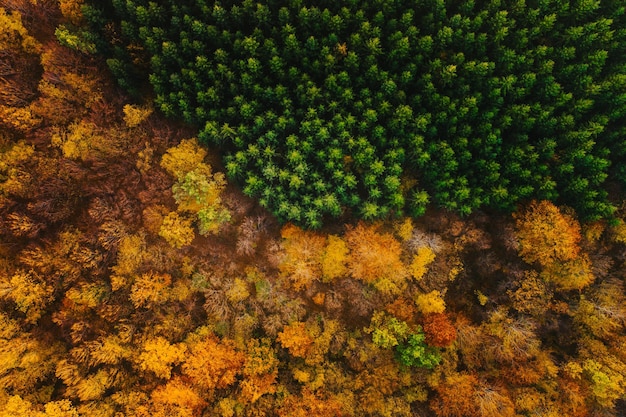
(323,107)
(410,345)
(415,352)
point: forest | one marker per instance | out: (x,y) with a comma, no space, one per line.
(275,208)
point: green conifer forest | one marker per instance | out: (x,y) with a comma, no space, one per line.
(380,107)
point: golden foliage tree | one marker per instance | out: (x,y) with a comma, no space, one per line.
(375,258)
(334,258)
(177,230)
(419,266)
(296,338)
(431,302)
(212,363)
(158,356)
(546,235)
(260,371)
(302,256)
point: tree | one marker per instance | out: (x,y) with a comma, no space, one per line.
(424,257)
(158,356)
(334,258)
(439,330)
(295,338)
(375,258)
(546,235)
(151,289)
(177,230)
(212,363)
(431,302)
(302,258)
(260,371)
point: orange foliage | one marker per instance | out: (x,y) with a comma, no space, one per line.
(180,395)
(455,396)
(439,330)
(375,258)
(310,404)
(212,363)
(295,338)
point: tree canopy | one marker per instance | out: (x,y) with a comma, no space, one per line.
(378,107)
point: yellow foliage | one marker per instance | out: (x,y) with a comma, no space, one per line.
(19,118)
(334,258)
(17,407)
(85,141)
(301,376)
(532,297)
(109,350)
(482,298)
(301,261)
(593,231)
(93,386)
(375,256)
(144,158)
(177,230)
(135,115)
(295,338)
(151,289)
(431,302)
(13,179)
(158,356)
(238,291)
(575,274)
(130,254)
(607,385)
(13,34)
(424,257)
(260,371)
(404,229)
(183,158)
(30,293)
(61,408)
(546,235)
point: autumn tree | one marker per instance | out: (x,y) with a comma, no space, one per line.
(260,371)
(375,258)
(211,363)
(197,191)
(546,235)
(302,258)
(296,338)
(439,330)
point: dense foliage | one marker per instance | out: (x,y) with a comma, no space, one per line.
(380,106)
(135,282)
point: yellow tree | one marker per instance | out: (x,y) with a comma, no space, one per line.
(302,256)
(260,371)
(158,356)
(176,230)
(375,258)
(546,235)
(431,302)
(334,258)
